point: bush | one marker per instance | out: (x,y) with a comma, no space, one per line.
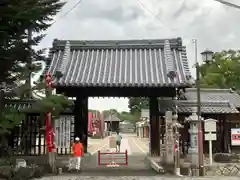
(6,172)
(22,173)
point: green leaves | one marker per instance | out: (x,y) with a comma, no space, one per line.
(9,119)
(223,72)
(17,17)
(136,104)
(53,103)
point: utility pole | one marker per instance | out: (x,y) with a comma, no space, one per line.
(200,134)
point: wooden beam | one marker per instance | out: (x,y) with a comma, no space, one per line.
(117,91)
(85,123)
(78,117)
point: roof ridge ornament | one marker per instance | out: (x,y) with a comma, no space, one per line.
(169,61)
(66,57)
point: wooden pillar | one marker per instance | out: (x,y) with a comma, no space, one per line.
(154,127)
(77,117)
(226,134)
(84,136)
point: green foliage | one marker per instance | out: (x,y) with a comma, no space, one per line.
(222,72)
(9,119)
(16,18)
(53,103)
(106,113)
(136,104)
(130,117)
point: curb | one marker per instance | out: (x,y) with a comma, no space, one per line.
(155,166)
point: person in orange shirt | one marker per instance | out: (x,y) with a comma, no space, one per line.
(77,150)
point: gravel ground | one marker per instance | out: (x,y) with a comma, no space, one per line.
(79,177)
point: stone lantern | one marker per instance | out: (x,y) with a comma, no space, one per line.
(193,131)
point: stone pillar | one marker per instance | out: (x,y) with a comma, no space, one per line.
(193,131)
(169,143)
(154,127)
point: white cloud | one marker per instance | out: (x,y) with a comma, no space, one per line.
(214,25)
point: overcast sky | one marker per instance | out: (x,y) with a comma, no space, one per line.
(214,25)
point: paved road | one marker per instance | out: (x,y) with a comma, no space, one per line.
(136,159)
(136,170)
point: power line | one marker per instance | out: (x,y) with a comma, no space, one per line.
(158,18)
(228,4)
(64,15)
(149,11)
(70,10)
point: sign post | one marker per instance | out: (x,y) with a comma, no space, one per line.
(169,156)
(210,134)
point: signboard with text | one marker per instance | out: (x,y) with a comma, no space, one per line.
(63,131)
(235,136)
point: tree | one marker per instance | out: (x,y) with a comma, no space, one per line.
(17,18)
(130,117)
(223,71)
(22,24)
(136,104)
(106,113)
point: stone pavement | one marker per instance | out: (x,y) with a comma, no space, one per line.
(79,177)
(96,144)
(136,157)
(143,143)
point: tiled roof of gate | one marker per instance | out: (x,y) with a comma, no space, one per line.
(207,107)
(27,106)
(20,105)
(144,63)
(214,95)
(112,118)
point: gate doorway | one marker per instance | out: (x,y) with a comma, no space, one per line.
(137,68)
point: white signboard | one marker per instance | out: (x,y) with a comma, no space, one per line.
(63,131)
(210,125)
(235,136)
(210,137)
(145,113)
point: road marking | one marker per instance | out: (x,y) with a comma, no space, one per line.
(141,149)
(96,150)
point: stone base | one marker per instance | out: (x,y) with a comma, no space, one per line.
(193,158)
(193,171)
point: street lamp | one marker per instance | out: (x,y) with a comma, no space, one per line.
(200,141)
(207,56)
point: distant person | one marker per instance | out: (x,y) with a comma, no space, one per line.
(77,152)
(118,141)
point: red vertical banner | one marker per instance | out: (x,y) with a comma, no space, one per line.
(101,124)
(49,133)
(49,127)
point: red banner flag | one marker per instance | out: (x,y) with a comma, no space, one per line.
(49,133)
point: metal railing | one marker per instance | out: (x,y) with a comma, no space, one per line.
(113,158)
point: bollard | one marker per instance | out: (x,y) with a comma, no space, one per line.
(193,171)
(60,171)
